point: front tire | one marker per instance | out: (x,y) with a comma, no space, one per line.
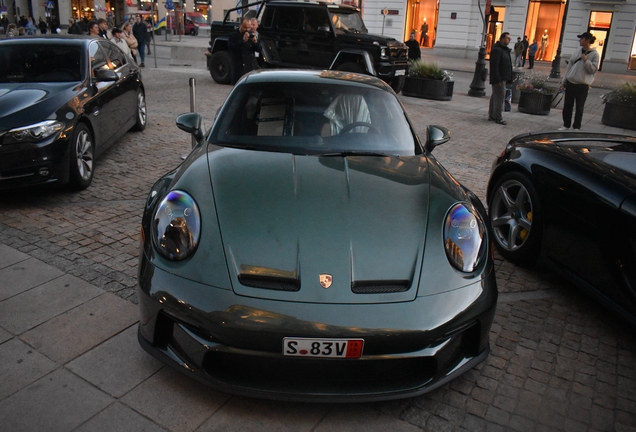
(142,113)
(82,154)
(220,67)
(516,218)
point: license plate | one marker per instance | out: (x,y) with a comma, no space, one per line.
(400,72)
(329,348)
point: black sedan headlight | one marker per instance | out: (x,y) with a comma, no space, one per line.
(176,226)
(464,237)
(34,132)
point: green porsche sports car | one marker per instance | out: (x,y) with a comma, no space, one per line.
(311,248)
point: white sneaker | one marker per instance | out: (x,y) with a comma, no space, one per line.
(563,128)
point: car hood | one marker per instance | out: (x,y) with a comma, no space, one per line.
(287,219)
(22,104)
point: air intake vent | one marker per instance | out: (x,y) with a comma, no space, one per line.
(271,283)
(379,287)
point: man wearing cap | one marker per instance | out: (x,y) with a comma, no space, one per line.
(577,80)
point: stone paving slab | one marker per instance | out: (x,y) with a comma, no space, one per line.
(24,275)
(57,402)
(119,418)
(37,305)
(103,366)
(73,333)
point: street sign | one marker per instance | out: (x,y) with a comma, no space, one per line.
(488,4)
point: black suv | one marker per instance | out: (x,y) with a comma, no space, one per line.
(314,35)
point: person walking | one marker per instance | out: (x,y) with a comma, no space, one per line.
(140,31)
(500,75)
(42,26)
(243,46)
(414,47)
(532,51)
(149,35)
(578,77)
(74,28)
(524,53)
(518,52)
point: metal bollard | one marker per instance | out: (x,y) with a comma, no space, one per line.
(193,89)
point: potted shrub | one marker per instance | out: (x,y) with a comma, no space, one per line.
(535,95)
(427,80)
(620,107)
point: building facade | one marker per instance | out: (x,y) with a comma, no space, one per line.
(455,27)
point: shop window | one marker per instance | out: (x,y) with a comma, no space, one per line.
(422,19)
(544,25)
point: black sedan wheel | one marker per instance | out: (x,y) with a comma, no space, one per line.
(142,114)
(515,216)
(82,158)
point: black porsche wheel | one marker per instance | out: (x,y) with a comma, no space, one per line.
(220,67)
(142,114)
(397,83)
(82,158)
(515,216)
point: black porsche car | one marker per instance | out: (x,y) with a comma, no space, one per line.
(571,198)
(63,101)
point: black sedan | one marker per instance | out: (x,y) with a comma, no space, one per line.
(571,198)
(63,101)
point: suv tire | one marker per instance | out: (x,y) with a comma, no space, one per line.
(221,67)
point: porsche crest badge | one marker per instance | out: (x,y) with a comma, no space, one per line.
(326,280)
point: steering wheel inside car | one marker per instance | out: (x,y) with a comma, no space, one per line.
(350,126)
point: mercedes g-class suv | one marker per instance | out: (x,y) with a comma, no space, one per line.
(313,35)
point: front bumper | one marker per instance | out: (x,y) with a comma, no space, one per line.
(30,164)
(234,343)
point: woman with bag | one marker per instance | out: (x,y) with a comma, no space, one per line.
(130,39)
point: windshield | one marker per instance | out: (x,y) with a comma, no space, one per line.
(40,62)
(306,118)
(199,19)
(347,22)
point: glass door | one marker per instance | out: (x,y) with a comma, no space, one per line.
(599,26)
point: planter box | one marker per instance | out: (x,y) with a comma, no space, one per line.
(535,103)
(621,116)
(428,88)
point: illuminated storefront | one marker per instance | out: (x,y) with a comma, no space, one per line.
(543,25)
(422,19)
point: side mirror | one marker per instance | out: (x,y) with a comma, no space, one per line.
(191,123)
(105,75)
(435,135)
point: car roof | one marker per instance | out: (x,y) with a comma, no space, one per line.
(315,76)
(57,39)
(327,4)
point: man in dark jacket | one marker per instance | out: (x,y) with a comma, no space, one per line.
(414,48)
(526,44)
(242,44)
(500,75)
(140,31)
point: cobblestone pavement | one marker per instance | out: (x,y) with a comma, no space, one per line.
(558,362)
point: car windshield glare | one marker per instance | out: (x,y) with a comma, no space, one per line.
(310,118)
(38,62)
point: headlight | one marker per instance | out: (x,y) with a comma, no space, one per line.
(176,226)
(464,237)
(35,132)
(383,53)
